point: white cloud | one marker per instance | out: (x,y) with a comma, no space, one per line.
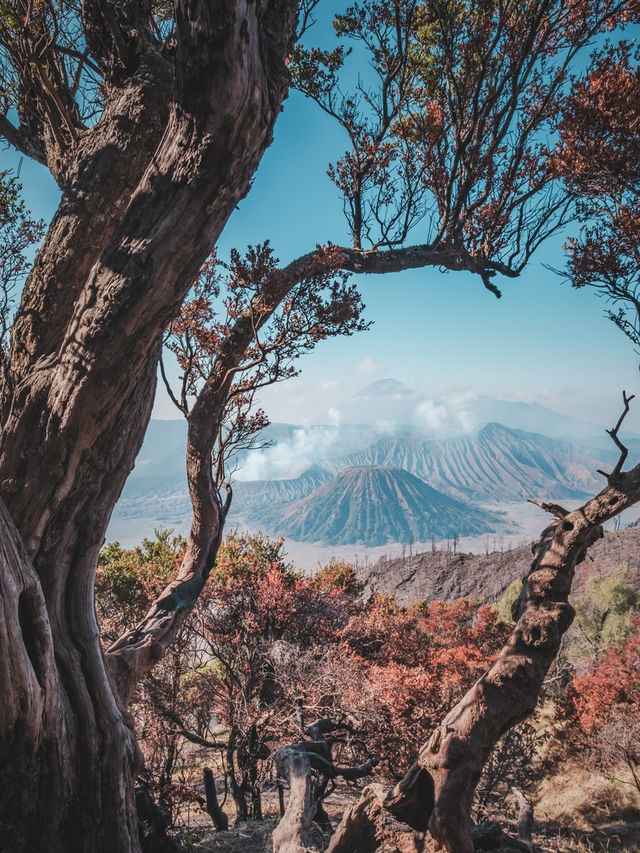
(386,426)
(432,415)
(448,415)
(368,365)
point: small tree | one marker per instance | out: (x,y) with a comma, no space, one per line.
(605,704)
(599,158)
(604,614)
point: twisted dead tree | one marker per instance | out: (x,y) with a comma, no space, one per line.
(310,772)
(436,794)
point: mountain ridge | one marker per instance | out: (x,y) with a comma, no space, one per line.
(491,463)
(443,575)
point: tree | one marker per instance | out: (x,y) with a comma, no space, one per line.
(437,792)
(246,665)
(418,662)
(604,702)
(309,769)
(256,616)
(265,650)
(599,157)
(604,614)
(153,126)
(153,118)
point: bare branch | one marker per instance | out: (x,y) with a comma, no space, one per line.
(554,509)
(626,399)
(179,724)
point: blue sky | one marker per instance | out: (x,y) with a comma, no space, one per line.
(443,333)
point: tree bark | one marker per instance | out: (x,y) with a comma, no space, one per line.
(370,826)
(49,739)
(295,763)
(219,818)
(83,364)
(293,832)
(525,820)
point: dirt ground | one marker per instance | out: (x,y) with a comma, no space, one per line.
(615,838)
(553,832)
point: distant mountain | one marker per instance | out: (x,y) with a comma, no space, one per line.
(374,505)
(494,463)
(532,417)
(251,494)
(160,465)
(394,405)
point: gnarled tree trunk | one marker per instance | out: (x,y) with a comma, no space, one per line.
(308,768)
(146,193)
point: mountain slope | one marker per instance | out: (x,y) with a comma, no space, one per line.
(373,505)
(249,494)
(494,463)
(442,575)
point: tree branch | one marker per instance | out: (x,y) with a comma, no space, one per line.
(626,399)
(174,718)
(22,141)
(397,260)
(554,509)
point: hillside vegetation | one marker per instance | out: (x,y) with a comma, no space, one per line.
(441,573)
(384,653)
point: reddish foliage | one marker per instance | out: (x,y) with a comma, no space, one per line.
(452,130)
(321,304)
(267,648)
(613,683)
(418,662)
(600,127)
(599,158)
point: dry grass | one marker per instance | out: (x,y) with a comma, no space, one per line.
(254,837)
(580,810)
(583,799)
